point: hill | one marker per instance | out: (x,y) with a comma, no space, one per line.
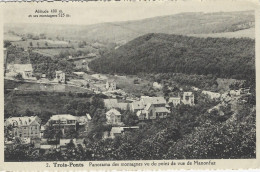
(163,53)
(121,32)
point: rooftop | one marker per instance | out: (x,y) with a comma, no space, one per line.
(63,116)
(187,93)
(153,100)
(117,130)
(21,67)
(138,105)
(161,110)
(114,111)
(20,121)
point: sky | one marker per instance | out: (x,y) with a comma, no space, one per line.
(87,13)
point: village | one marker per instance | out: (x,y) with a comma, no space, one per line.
(64,129)
(30,130)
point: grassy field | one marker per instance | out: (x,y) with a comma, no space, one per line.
(11,37)
(51,52)
(8,84)
(41,43)
(248,33)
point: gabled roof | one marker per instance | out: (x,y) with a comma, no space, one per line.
(147,107)
(79,73)
(63,116)
(161,110)
(117,130)
(23,67)
(110,103)
(123,106)
(64,142)
(187,93)
(59,71)
(153,100)
(21,121)
(113,111)
(137,105)
(174,98)
(20,67)
(111,80)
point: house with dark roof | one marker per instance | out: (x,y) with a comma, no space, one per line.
(150,108)
(151,111)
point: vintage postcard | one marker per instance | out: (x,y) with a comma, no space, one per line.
(129,85)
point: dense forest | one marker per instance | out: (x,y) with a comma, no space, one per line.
(163,53)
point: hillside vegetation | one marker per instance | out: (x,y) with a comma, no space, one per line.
(121,32)
(163,53)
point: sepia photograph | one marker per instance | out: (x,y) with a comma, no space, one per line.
(132,81)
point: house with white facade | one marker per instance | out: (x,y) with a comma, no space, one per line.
(63,122)
(175,101)
(111,85)
(113,117)
(60,77)
(188,98)
(24,127)
(212,95)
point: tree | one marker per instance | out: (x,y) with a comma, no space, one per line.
(129,118)
(7,43)
(28,112)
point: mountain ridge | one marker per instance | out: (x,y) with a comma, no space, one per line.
(124,31)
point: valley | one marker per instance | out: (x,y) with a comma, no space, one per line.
(118,90)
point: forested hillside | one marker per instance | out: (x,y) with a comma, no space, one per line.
(163,53)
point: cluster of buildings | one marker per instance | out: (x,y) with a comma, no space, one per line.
(147,108)
(157,107)
(28,130)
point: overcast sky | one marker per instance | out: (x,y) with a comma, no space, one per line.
(85,13)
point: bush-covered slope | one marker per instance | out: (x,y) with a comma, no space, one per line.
(162,53)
